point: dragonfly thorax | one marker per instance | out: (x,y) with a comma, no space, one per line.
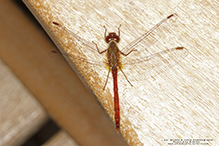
(113,54)
(112,43)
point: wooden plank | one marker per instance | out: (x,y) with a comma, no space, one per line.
(61,138)
(162,103)
(25,49)
(20,114)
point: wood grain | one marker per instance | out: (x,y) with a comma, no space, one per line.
(25,49)
(179,103)
(20,114)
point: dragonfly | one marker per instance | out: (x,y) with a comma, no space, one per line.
(166,58)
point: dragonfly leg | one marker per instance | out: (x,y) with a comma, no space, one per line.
(106,80)
(98,48)
(119,30)
(125,76)
(128,52)
(105,32)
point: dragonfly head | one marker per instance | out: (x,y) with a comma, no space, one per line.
(112,36)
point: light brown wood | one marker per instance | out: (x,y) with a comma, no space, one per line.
(25,48)
(61,138)
(20,114)
(173,104)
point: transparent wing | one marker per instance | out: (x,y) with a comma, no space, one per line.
(78,38)
(88,68)
(57,56)
(152,36)
(86,52)
(154,64)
